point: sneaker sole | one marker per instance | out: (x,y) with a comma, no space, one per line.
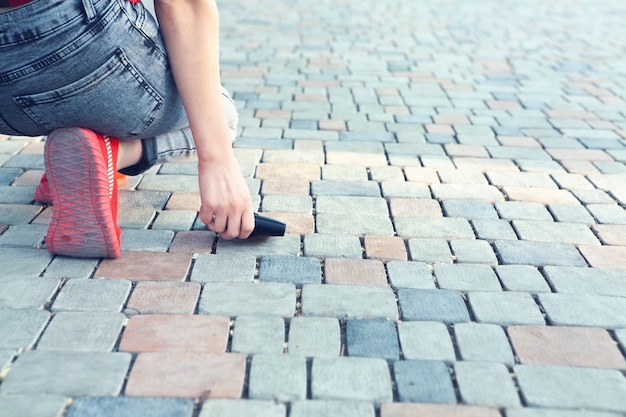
(82,224)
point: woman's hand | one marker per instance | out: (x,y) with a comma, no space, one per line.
(226,204)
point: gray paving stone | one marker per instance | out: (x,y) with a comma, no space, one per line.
(256,335)
(403,274)
(177,220)
(287,203)
(423,382)
(13,214)
(353,224)
(487,193)
(519,210)
(398,189)
(170,183)
(368,206)
(314,337)
(238,408)
(344,173)
(473,251)
(349,302)
(469,209)
(8,175)
(426,340)
(332,246)
(292,269)
(130,407)
(331,409)
(137,199)
(24,235)
(146,240)
(486,384)
(66,267)
(553,412)
(572,213)
(25,160)
(537,253)
(278,377)
(483,343)
(16,195)
(487,229)
(594,281)
(67,373)
(345,188)
(505,308)
(522,278)
(136,218)
(6,357)
(432,305)
(572,388)
(240,299)
(92,295)
(433,227)
(607,213)
(372,338)
(574,233)
(34,405)
(21,328)
(223,268)
(258,246)
(466,277)
(27,293)
(362,379)
(82,332)
(430,250)
(584,310)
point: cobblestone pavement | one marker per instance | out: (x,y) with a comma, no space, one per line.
(453,178)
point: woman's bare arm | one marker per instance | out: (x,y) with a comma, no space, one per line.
(190,29)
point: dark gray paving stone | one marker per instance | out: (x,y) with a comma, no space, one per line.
(92,295)
(372,338)
(130,407)
(223,268)
(362,379)
(67,373)
(21,328)
(584,310)
(423,382)
(483,343)
(572,388)
(240,299)
(82,332)
(292,269)
(432,305)
(595,281)
(525,252)
(34,405)
(505,308)
(27,293)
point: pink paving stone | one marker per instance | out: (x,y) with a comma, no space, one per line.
(430,410)
(539,195)
(385,248)
(355,272)
(484,164)
(151,297)
(283,171)
(287,186)
(387,92)
(356,159)
(183,201)
(579,167)
(176,333)
(146,266)
(611,257)
(611,234)
(297,223)
(521,141)
(335,125)
(197,375)
(579,154)
(415,207)
(319,98)
(421,175)
(29,178)
(34,147)
(194,241)
(443,129)
(308,145)
(272,114)
(3,228)
(454,149)
(566,346)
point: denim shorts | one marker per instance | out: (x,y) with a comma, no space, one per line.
(98,64)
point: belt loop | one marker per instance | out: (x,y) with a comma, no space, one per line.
(90,10)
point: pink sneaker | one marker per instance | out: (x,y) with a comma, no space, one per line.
(80,169)
(42,193)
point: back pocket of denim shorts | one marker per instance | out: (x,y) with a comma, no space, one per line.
(114,100)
